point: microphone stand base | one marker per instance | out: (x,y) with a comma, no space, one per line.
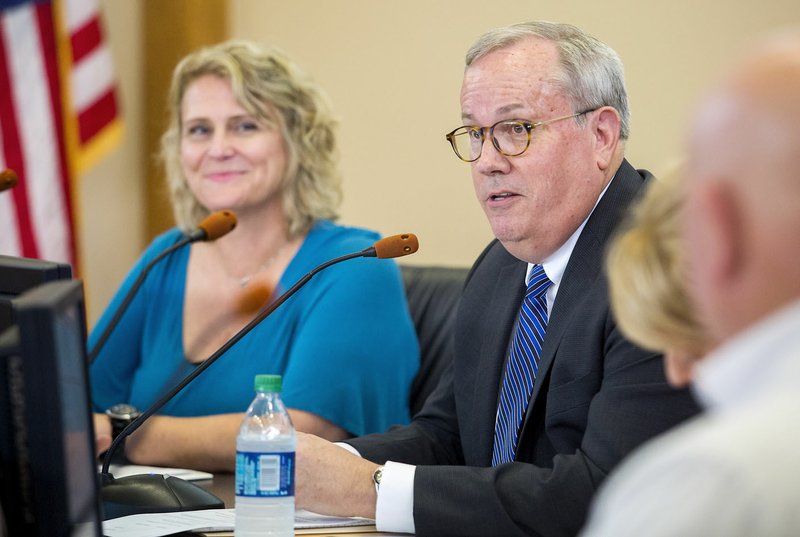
(152,493)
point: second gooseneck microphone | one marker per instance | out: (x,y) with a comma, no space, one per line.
(211,228)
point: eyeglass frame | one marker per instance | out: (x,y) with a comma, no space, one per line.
(529,127)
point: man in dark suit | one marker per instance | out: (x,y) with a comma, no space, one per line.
(544,396)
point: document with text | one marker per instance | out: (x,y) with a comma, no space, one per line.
(213,520)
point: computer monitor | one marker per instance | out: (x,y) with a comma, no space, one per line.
(19,274)
(49,478)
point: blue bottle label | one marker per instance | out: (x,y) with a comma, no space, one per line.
(260,475)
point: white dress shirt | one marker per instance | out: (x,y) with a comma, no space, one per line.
(735,469)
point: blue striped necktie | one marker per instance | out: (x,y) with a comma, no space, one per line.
(522,367)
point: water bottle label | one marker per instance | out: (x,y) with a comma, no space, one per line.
(261,475)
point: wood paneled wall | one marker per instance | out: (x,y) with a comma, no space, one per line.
(171,29)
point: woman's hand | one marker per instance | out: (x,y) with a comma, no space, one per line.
(102,433)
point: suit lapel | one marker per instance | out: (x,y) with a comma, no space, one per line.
(585,266)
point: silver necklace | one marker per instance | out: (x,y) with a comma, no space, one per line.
(244,281)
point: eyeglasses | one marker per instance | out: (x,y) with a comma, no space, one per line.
(511,137)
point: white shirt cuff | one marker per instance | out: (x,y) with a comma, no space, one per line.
(394,510)
(348,447)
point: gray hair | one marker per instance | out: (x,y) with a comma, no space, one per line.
(593,72)
(271,87)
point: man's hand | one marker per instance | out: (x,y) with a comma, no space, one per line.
(102,433)
(330,480)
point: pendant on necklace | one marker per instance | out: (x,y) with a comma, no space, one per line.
(244,281)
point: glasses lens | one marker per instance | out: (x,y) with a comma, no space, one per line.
(511,137)
(467,142)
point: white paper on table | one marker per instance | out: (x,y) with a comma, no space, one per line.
(160,524)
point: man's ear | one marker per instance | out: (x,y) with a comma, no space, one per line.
(605,124)
(724,238)
(679,369)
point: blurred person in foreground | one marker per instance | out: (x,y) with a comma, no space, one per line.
(251,133)
(545,396)
(647,279)
(733,471)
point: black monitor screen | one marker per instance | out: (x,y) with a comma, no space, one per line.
(49,478)
(20,274)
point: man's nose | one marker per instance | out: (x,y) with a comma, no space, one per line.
(491,160)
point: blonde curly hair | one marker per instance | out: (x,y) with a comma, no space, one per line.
(647,278)
(271,87)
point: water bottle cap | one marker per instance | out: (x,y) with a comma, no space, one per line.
(268,383)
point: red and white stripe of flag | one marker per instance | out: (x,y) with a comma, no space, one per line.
(58,113)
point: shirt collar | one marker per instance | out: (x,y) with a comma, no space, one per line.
(760,359)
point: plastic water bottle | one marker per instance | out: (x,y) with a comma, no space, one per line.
(265,451)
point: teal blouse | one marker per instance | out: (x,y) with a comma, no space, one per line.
(344,344)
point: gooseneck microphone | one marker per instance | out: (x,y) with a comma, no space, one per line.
(211,228)
(8,179)
(155,493)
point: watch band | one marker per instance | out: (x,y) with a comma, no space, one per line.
(377,475)
(121,415)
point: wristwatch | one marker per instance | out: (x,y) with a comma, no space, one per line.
(377,475)
(121,415)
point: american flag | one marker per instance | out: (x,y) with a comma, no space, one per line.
(58,115)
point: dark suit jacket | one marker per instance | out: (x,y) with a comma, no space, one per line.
(596,397)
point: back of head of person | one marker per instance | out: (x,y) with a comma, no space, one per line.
(647,279)
(742,224)
(712,250)
(722,284)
